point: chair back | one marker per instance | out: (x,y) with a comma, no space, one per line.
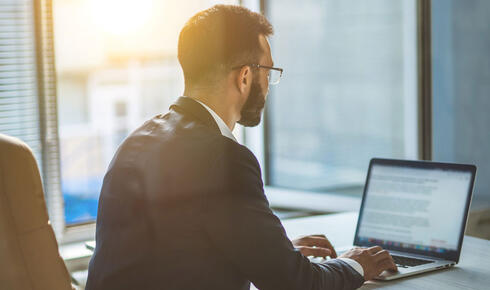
(29,256)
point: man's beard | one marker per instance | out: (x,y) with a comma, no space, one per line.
(252,109)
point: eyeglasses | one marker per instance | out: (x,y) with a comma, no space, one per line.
(274,73)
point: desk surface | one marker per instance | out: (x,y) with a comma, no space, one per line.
(472,271)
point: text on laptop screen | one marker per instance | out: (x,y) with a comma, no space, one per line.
(414,207)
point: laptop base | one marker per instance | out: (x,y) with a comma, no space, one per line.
(405,272)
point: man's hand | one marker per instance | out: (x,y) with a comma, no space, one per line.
(373,260)
(315,245)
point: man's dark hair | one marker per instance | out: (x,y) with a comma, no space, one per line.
(216,39)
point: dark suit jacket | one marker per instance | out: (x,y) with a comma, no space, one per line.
(183,207)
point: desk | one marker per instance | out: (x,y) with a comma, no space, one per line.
(472,271)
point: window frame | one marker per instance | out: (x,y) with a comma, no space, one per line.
(48,126)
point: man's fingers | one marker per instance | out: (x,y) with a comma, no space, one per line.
(374,250)
(387,264)
(313,241)
(316,252)
(319,241)
(331,248)
(320,236)
(381,255)
(322,241)
(385,261)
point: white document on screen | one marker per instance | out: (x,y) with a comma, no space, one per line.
(415,206)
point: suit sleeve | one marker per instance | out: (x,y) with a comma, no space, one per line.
(244,230)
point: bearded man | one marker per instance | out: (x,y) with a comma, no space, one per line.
(182,204)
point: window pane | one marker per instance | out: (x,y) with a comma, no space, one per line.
(461,87)
(348,91)
(117,66)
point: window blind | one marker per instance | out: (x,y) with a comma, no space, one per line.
(19,113)
(28,108)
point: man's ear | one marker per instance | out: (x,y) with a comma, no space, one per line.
(244,79)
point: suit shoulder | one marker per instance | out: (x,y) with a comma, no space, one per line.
(234,152)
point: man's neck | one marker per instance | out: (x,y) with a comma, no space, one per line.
(218,103)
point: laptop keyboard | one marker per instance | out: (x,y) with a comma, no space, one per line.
(405,262)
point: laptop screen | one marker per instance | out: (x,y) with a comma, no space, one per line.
(420,209)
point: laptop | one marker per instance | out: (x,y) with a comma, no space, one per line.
(417,210)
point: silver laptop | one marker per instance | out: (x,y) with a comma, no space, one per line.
(417,210)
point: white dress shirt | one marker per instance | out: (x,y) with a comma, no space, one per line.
(225,131)
(354,264)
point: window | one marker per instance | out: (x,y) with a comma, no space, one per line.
(461,88)
(348,93)
(116,68)
(19,103)
(27,89)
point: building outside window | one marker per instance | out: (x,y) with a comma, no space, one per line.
(349,91)
(116,67)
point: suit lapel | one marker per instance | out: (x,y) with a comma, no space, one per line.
(189,106)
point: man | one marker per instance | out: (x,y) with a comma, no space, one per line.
(182,205)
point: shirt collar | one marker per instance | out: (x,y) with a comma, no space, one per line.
(225,131)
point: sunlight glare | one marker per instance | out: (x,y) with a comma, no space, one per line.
(121,17)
